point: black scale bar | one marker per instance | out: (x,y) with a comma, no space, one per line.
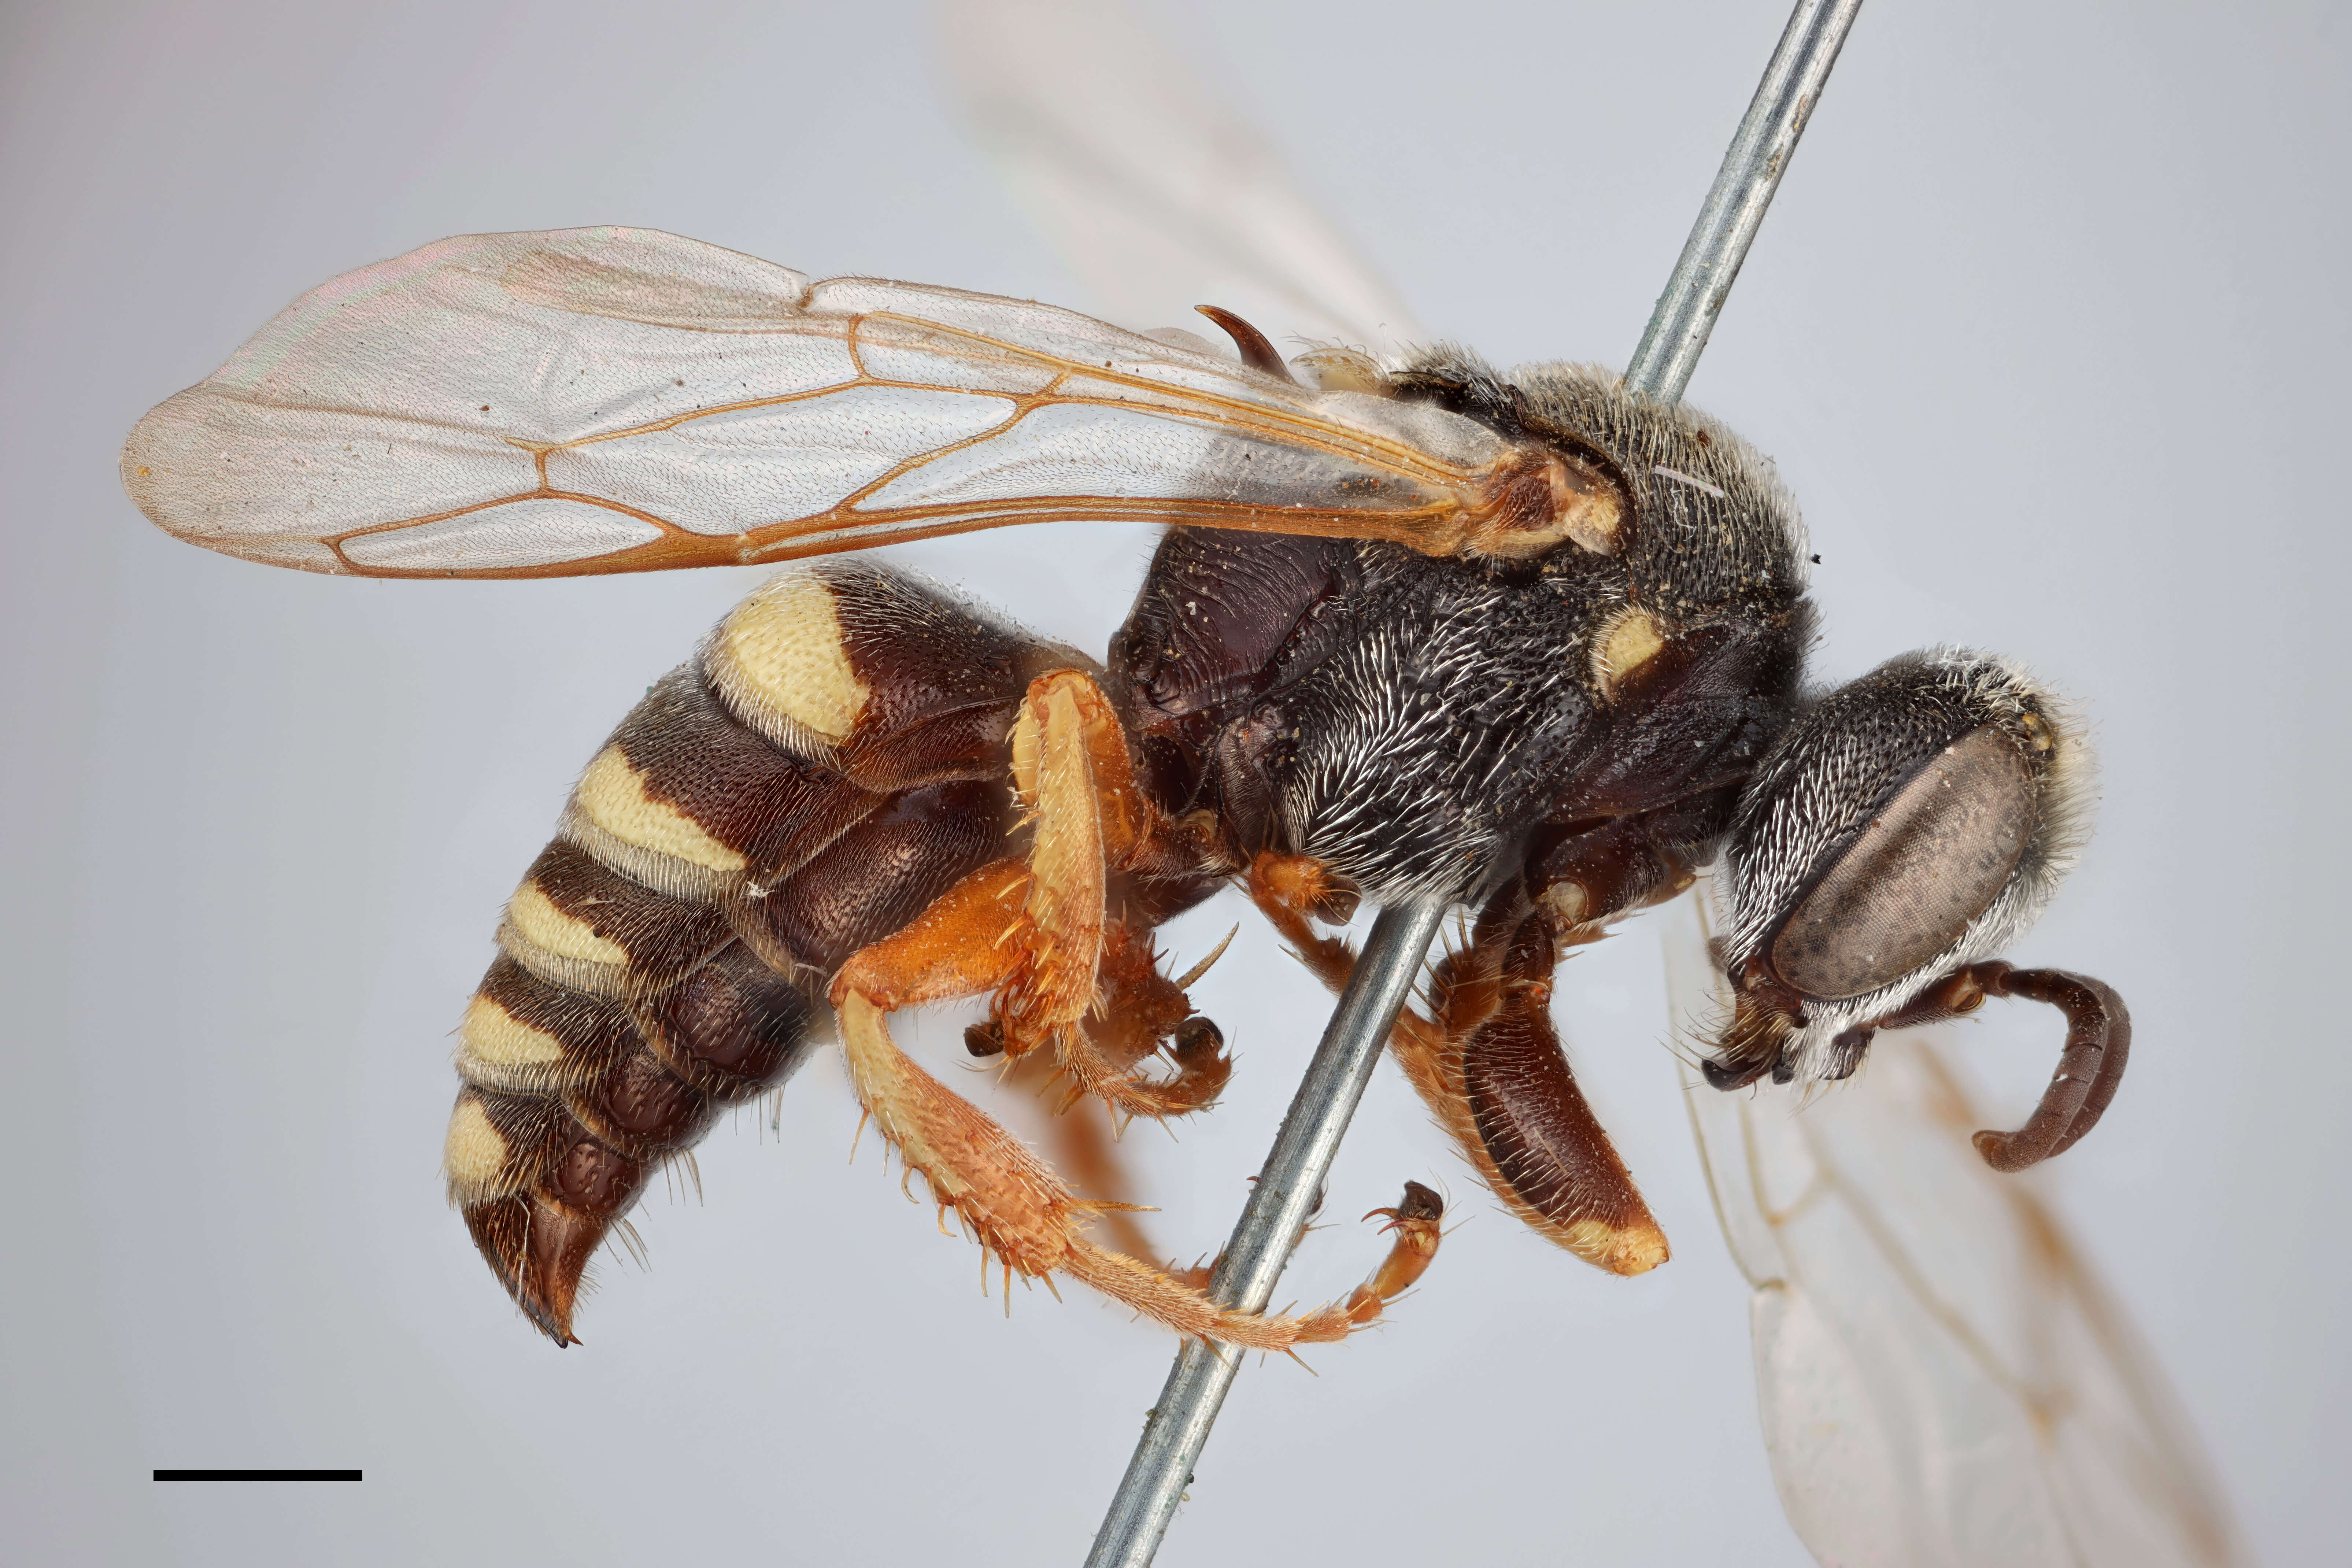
(256,1475)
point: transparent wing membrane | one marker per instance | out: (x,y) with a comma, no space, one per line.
(1943,1381)
(613,400)
(1158,196)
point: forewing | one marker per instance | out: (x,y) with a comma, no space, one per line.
(1942,1380)
(615,400)
(1159,198)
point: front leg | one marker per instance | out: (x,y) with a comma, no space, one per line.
(1487,1062)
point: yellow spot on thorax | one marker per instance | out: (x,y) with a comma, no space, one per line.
(1630,640)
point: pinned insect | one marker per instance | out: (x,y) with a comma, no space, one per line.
(1529,644)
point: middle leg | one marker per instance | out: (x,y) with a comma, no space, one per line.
(1085,983)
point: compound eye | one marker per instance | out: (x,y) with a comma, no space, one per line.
(1922,868)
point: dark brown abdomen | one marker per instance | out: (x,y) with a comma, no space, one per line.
(830,763)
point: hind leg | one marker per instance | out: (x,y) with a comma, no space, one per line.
(1016,1206)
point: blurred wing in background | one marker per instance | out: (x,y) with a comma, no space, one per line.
(1158,197)
(1943,1381)
(622,400)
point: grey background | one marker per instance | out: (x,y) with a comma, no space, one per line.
(2047,330)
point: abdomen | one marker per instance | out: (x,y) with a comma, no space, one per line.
(830,763)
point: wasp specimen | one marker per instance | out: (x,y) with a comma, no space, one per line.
(1529,644)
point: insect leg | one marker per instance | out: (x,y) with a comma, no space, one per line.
(1082,1144)
(1292,890)
(1138,1012)
(1487,1062)
(1019,1209)
(1088,983)
(1414,1221)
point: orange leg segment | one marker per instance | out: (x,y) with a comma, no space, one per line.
(1019,1209)
(1035,934)
(1085,983)
(1414,1223)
